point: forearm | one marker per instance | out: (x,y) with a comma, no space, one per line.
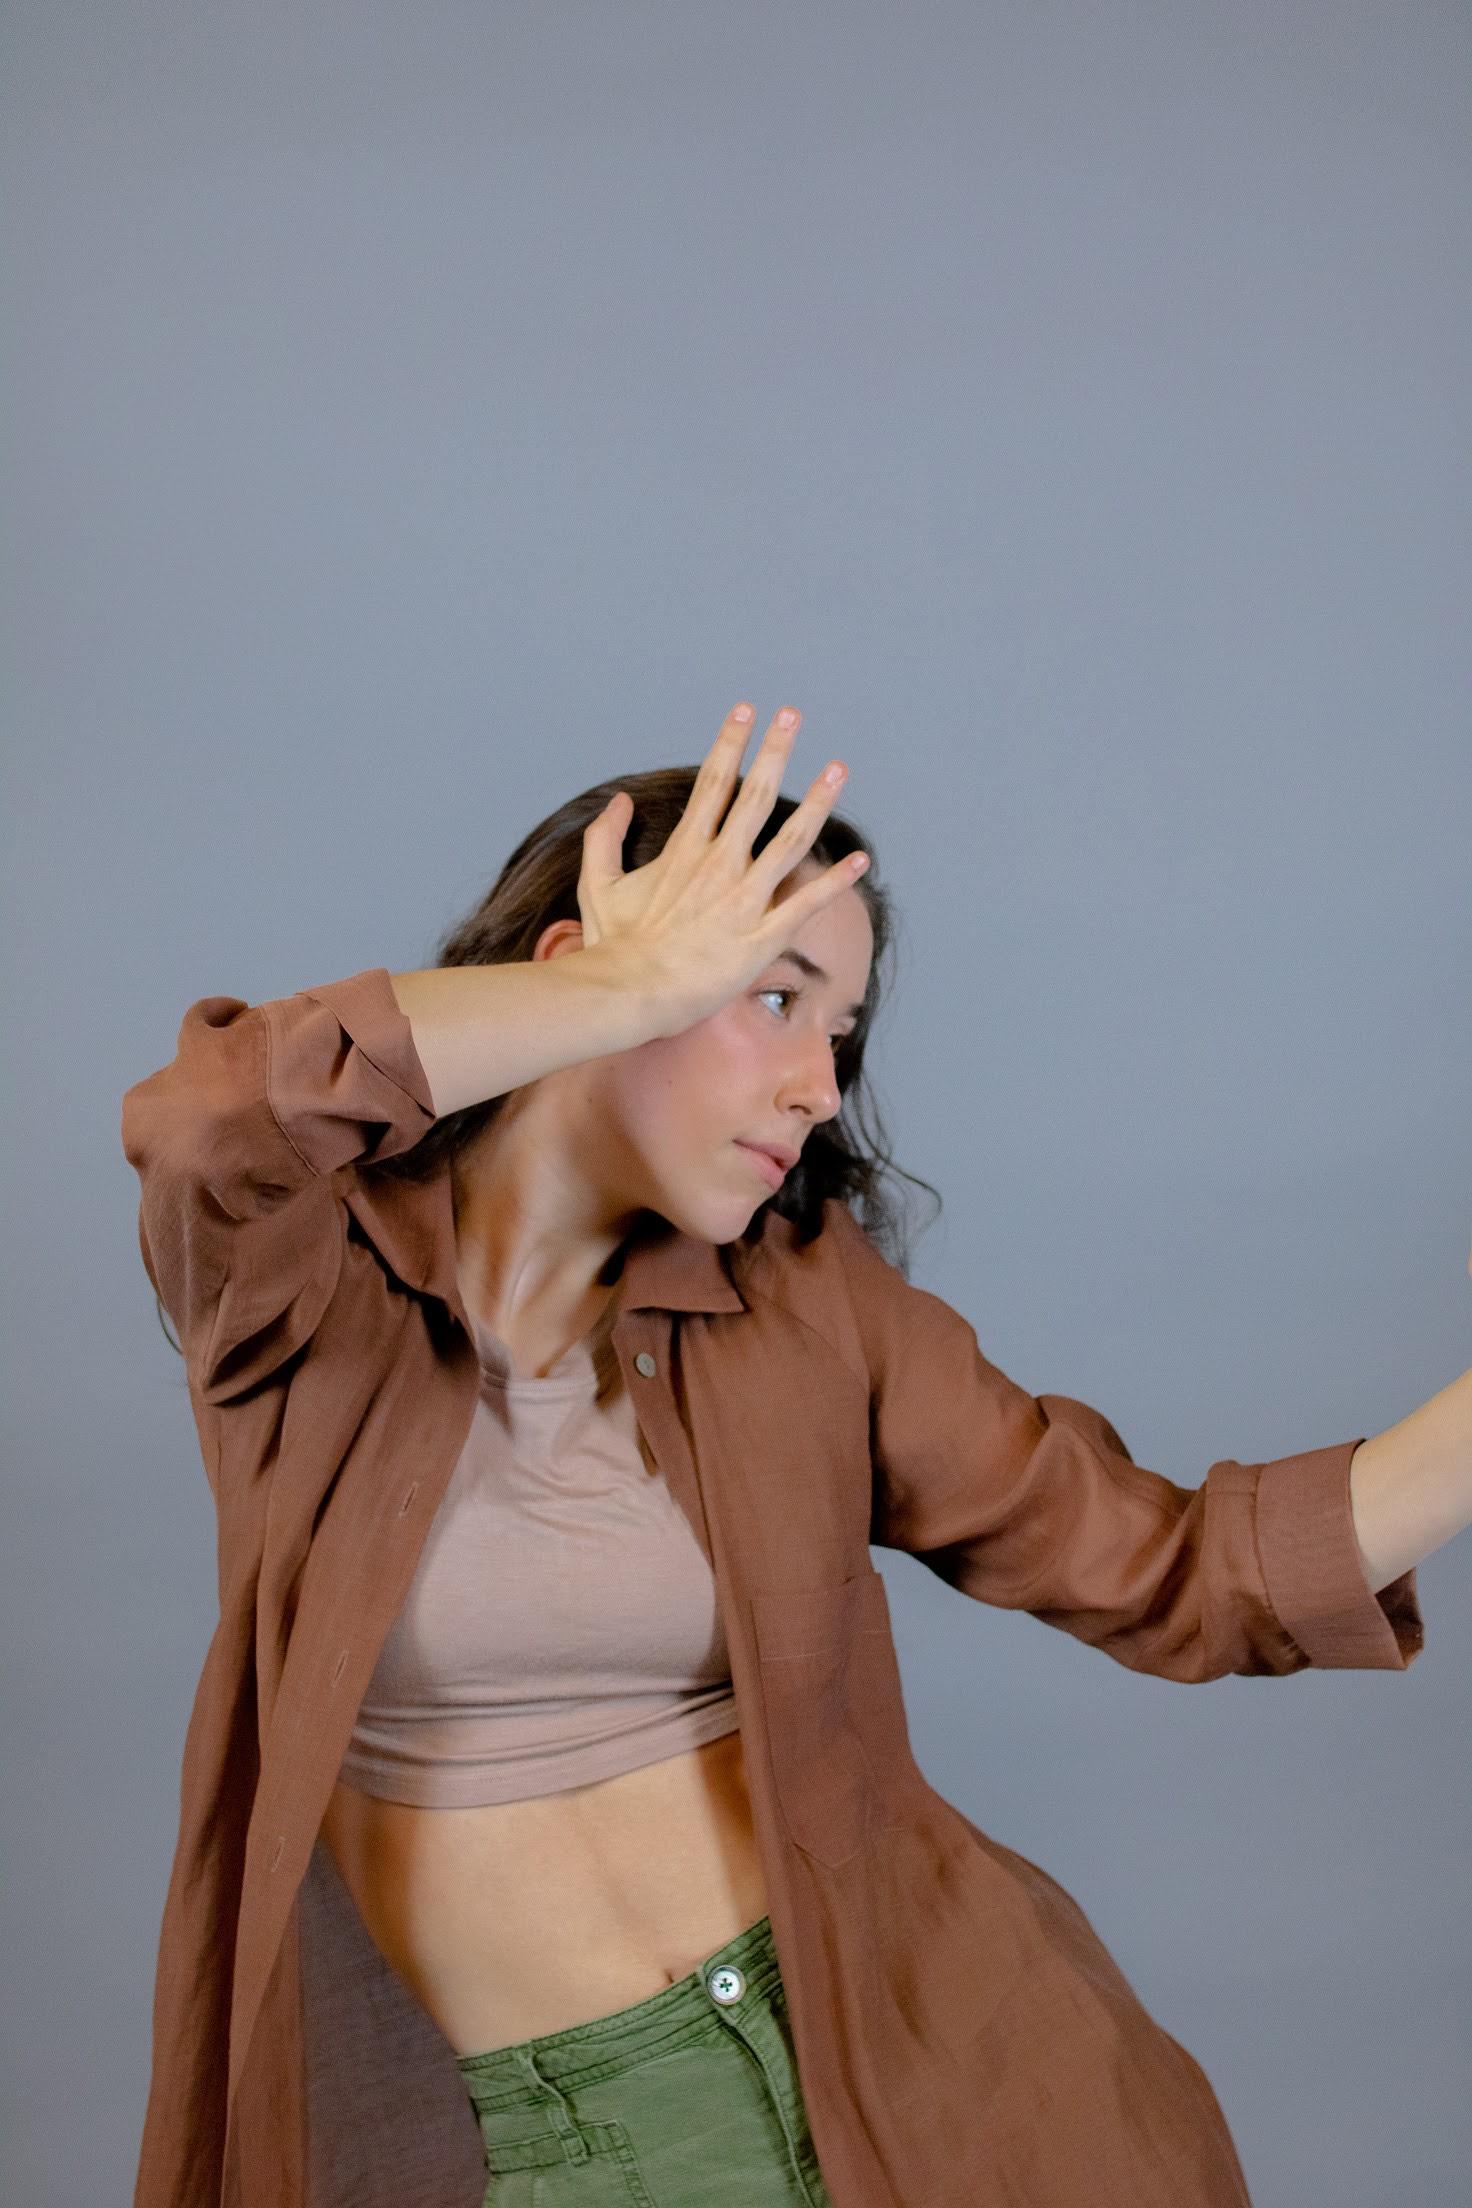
(482,1031)
(1410,1488)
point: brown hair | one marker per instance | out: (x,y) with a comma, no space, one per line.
(846,1156)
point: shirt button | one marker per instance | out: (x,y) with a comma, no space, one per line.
(725,1983)
(645,1363)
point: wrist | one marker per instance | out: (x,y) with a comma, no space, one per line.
(633,1007)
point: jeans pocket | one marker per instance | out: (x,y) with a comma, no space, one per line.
(535,2173)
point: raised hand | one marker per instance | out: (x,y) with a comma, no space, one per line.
(697,922)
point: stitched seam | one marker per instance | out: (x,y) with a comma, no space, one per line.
(848,1285)
(1272,1608)
(392,1078)
(271,1108)
(361,1048)
(860,1380)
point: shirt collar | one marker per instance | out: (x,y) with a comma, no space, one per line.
(412,1225)
(670,1271)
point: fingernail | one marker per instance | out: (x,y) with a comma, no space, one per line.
(787,718)
(741,713)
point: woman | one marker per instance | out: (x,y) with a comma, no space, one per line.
(635,1890)
(554,1698)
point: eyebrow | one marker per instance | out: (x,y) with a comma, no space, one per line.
(815,972)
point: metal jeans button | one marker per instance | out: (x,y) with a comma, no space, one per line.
(725,1983)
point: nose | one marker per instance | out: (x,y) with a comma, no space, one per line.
(813,1083)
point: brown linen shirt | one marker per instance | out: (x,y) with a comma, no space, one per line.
(962,2034)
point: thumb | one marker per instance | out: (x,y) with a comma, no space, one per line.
(603,841)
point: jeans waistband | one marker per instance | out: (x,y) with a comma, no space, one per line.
(628,2036)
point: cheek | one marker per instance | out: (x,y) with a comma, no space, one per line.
(689,1082)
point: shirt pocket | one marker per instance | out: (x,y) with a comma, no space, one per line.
(831,1699)
(878,1700)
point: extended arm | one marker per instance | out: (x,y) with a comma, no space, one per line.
(1411,1487)
(1034,1503)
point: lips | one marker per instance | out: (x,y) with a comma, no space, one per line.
(771,1162)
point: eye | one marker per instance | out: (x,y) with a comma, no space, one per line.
(836,1040)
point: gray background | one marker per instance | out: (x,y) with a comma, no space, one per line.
(420,412)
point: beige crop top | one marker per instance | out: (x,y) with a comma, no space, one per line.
(562,1623)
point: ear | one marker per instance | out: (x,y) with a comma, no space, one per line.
(562,935)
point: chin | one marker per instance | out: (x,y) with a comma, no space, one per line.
(718,1219)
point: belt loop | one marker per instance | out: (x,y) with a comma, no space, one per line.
(574,2146)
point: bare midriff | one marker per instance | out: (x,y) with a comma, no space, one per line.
(527,1917)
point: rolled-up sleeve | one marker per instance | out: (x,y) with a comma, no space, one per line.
(234,1142)
(1033,1502)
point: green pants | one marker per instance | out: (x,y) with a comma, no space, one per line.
(689,2099)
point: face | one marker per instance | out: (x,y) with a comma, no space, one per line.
(760,1070)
